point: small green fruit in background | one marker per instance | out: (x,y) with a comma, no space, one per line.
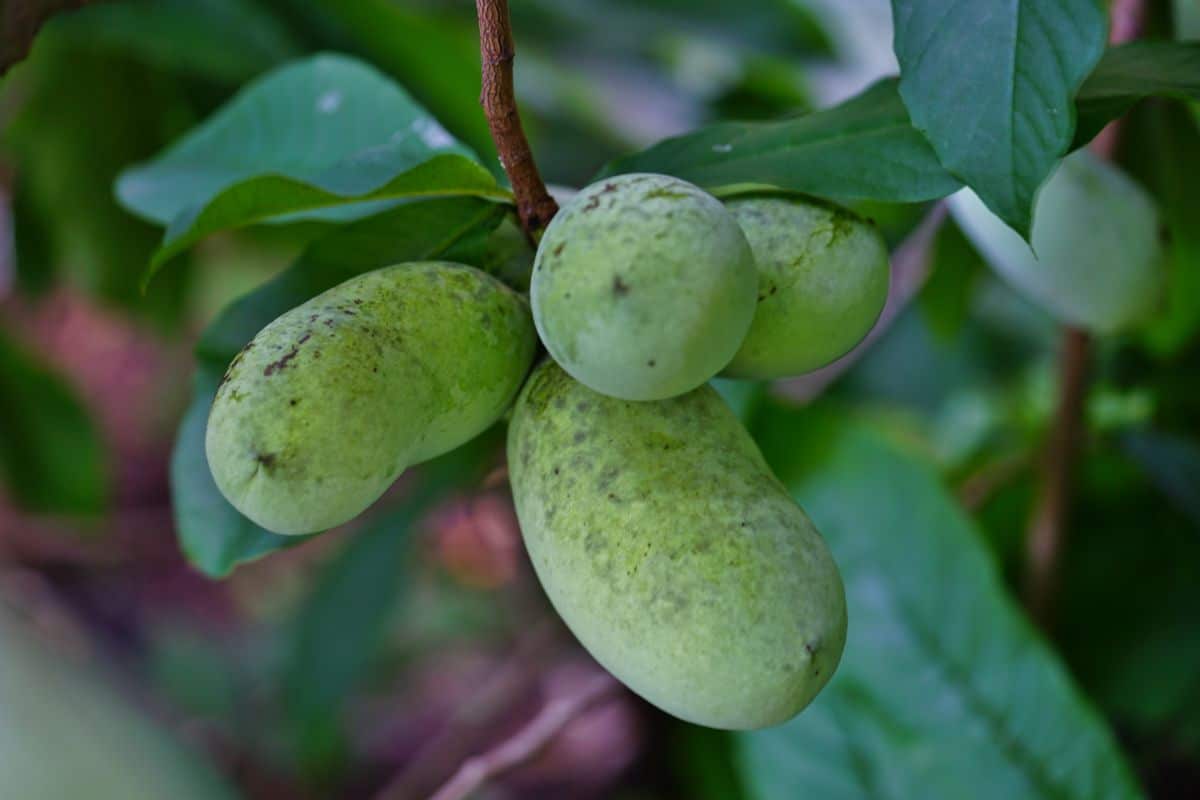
(1097,260)
(328,404)
(673,553)
(643,287)
(823,280)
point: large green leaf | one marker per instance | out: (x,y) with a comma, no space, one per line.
(224,40)
(51,457)
(68,734)
(991,84)
(338,628)
(1134,72)
(945,689)
(315,136)
(214,536)
(864,149)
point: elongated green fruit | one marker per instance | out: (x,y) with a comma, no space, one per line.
(643,287)
(328,404)
(823,280)
(673,553)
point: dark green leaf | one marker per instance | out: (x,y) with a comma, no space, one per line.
(318,135)
(1173,465)
(412,232)
(864,149)
(51,457)
(82,115)
(991,87)
(945,300)
(1131,73)
(945,690)
(339,627)
(214,536)
(224,40)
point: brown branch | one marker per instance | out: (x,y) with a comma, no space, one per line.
(535,206)
(1046,535)
(20,21)
(527,742)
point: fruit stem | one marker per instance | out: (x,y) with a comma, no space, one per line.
(1045,537)
(535,206)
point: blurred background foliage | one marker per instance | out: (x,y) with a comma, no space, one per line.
(384,654)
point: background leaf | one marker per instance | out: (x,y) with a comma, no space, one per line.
(68,734)
(324,132)
(991,86)
(214,536)
(51,456)
(863,149)
(945,690)
(1133,72)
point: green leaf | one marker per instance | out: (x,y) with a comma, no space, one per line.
(51,456)
(991,86)
(431,229)
(224,40)
(77,123)
(945,689)
(945,300)
(315,136)
(68,733)
(1133,72)
(339,627)
(214,536)
(863,149)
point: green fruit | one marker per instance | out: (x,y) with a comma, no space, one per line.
(643,287)
(1097,259)
(823,280)
(673,553)
(328,404)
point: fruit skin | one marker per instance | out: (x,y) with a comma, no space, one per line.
(329,403)
(823,281)
(1097,260)
(643,286)
(673,553)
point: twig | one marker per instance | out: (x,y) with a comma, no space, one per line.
(1045,537)
(535,206)
(20,20)
(511,681)
(529,741)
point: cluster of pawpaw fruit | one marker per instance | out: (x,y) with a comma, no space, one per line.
(656,528)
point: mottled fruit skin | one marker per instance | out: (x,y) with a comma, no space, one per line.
(823,280)
(643,287)
(328,404)
(673,553)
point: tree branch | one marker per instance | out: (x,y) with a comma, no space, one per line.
(1045,537)
(535,206)
(20,20)
(527,742)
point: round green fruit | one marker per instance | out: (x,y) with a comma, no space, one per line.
(643,287)
(823,280)
(673,553)
(328,404)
